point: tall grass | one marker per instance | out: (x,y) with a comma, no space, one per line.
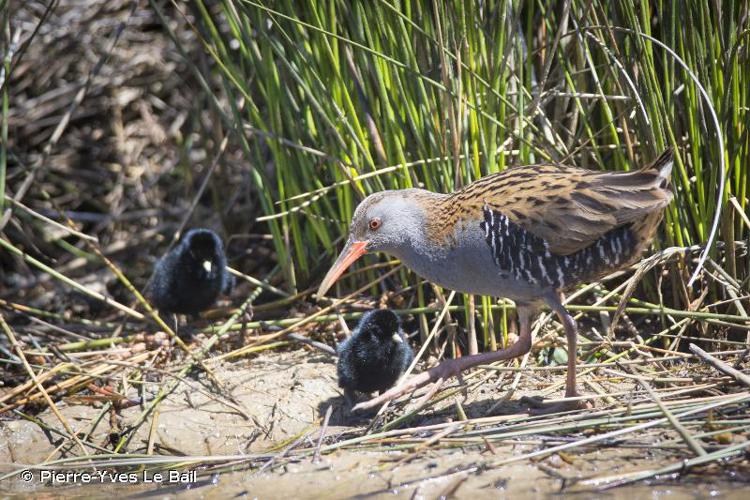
(4,71)
(344,98)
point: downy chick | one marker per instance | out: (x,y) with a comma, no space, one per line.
(189,278)
(375,356)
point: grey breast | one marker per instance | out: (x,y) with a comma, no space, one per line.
(466,264)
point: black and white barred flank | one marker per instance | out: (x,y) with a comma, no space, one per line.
(526,257)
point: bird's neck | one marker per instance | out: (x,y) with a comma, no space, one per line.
(442,240)
(428,227)
(422,214)
(442,213)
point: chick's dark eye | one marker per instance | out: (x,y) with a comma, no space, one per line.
(375,223)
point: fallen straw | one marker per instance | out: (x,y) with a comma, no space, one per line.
(721,366)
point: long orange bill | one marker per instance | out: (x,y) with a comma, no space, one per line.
(352,251)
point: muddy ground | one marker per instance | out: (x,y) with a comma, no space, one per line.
(281,397)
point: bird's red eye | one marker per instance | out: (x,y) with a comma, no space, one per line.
(375,223)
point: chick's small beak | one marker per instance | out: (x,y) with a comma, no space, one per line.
(207,265)
(352,251)
(397,338)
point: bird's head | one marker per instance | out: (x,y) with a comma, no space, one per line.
(382,324)
(388,221)
(206,250)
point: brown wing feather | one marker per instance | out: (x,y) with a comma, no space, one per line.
(570,208)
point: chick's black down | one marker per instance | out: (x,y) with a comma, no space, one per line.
(189,278)
(371,360)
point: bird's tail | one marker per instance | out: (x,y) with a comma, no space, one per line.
(663,166)
(637,193)
(658,190)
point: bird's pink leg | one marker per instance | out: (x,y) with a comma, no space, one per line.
(571,333)
(452,367)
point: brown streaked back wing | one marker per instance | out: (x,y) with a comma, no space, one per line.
(570,208)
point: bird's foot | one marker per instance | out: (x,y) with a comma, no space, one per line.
(445,370)
(537,406)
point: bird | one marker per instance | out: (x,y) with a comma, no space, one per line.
(527,233)
(191,276)
(374,357)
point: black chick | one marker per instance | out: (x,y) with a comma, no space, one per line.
(189,278)
(375,356)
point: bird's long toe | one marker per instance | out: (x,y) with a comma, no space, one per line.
(394,392)
(445,370)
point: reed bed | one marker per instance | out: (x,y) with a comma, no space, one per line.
(123,123)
